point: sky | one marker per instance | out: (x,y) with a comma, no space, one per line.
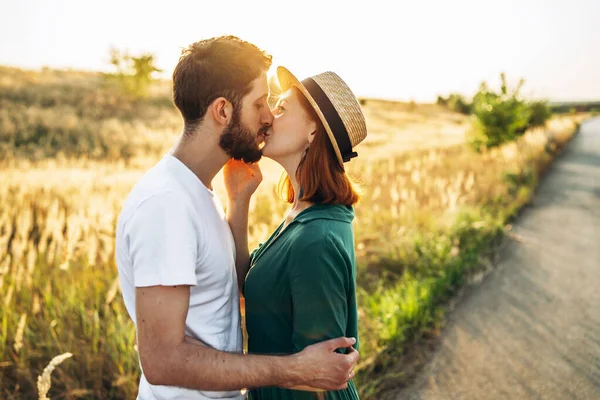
(405,50)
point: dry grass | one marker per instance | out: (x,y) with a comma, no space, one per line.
(44,382)
(58,277)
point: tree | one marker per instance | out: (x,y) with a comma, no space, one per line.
(134,74)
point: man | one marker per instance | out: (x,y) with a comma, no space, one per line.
(176,252)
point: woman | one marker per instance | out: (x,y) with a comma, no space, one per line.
(301,288)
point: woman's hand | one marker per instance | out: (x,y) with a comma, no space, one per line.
(241,179)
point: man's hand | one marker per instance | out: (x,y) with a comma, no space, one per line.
(319,366)
(241,179)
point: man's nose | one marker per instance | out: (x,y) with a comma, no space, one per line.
(267,117)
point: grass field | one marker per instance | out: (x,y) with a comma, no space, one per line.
(430,208)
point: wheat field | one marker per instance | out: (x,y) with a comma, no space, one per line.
(59,288)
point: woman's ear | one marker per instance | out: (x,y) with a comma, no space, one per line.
(222,111)
(313,132)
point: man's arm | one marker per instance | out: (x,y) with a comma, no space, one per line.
(305,388)
(169,359)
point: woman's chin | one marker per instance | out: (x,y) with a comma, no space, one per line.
(266,153)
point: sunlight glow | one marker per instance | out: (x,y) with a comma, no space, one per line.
(415,52)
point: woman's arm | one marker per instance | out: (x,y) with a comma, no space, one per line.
(241,181)
(320,286)
(237,217)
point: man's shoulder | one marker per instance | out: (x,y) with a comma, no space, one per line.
(155,190)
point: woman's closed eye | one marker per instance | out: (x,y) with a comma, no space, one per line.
(279,108)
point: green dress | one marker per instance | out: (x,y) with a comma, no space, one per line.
(301,289)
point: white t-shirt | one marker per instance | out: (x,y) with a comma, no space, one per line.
(173,231)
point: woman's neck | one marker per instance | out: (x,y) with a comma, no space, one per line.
(291,166)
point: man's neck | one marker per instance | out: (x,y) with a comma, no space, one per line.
(201,153)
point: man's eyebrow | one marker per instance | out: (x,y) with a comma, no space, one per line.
(261,98)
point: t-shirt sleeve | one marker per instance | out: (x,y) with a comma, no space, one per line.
(163,242)
(319,287)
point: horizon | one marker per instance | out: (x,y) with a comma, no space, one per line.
(168,79)
(426,49)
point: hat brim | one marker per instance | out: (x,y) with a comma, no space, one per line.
(287,80)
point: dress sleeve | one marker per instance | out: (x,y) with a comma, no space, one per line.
(319,285)
(253,252)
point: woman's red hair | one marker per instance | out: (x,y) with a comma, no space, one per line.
(320,175)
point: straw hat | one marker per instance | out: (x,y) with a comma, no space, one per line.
(336,106)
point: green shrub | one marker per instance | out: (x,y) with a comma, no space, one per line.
(456,102)
(504,116)
(540,113)
(500,117)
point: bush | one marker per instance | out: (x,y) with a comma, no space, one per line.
(504,116)
(575,107)
(456,102)
(540,113)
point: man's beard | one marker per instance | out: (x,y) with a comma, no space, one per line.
(239,142)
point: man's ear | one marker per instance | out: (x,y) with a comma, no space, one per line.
(222,110)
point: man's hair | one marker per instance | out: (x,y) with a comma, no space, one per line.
(222,66)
